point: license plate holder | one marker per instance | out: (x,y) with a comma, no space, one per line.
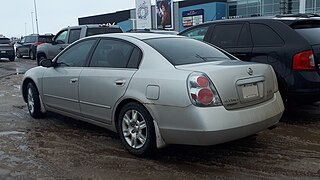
(3,52)
(250,91)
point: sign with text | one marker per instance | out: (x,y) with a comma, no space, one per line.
(193,17)
(164,10)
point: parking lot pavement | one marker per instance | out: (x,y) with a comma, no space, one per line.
(58,147)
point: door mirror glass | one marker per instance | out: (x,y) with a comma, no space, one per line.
(46,63)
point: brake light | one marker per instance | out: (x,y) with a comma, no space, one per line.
(202,91)
(38,43)
(304,61)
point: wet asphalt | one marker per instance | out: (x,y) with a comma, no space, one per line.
(58,147)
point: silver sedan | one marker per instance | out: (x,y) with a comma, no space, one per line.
(156,90)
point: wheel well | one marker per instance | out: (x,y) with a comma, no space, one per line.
(41,54)
(120,106)
(24,88)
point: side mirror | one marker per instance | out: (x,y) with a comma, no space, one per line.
(60,42)
(46,63)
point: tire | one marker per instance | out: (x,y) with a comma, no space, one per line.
(18,54)
(12,58)
(136,130)
(32,55)
(40,59)
(33,101)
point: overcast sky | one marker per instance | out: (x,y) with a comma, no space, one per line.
(53,15)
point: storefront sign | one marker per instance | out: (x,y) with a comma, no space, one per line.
(193,17)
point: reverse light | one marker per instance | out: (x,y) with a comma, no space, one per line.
(304,61)
(202,92)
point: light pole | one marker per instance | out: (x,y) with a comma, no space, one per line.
(32,22)
(35,10)
(25,28)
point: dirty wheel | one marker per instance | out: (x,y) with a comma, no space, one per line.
(12,58)
(32,55)
(41,58)
(18,54)
(33,101)
(136,130)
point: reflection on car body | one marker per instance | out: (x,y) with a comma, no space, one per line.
(155,90)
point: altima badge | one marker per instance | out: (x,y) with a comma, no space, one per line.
(250,71)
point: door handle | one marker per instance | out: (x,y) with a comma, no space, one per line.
(61,48)
(120,82)
(73,81)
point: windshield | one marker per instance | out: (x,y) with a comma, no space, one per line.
(180,51)
(312,35)
(95,31)
(4,41)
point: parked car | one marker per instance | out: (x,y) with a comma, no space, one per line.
(27,46)
(290,44)
(6,49)
(156,89)
(69,35)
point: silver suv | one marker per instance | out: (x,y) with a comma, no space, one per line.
(69,35)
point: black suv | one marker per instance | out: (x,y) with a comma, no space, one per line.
(6,49)
(290,44)
(27,46)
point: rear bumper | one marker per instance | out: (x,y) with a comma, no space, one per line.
(208,126)
(6,53)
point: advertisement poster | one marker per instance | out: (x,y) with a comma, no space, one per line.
(164,10)
(143,14)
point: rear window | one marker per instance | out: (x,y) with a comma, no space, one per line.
(4,41)
(180,51)
(312,35)
(95,31)
(45,39)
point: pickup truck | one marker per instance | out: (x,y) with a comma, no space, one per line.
(69,35)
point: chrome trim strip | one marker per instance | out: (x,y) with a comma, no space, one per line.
(97,105)
(63,98)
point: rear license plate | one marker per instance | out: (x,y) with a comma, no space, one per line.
(250,91)
(3,52)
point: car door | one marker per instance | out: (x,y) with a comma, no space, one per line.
(234,38)
(61,82)
(59,43)
(106,79)
(24,49)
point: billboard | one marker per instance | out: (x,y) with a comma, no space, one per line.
(164,10)
(193,17)
(143,14)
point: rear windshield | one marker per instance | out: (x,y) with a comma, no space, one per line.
(180,51)
(45,39)
(312,35)
(4,41)
(95,31)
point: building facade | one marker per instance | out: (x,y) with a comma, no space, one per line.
(191,12)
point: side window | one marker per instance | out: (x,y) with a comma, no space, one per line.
(62,36)
(111,53)
(135,58)
(28,39)
(226,35)
(76,56)
(33,39)
(263,35)
(245,39)
(197,33)
(74,35)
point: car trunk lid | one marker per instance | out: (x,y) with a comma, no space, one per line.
(239,84)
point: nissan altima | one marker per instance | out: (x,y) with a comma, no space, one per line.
(156,90)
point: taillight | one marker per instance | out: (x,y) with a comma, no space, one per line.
(304,61)
(275,81)
(202,91)
(38,43)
